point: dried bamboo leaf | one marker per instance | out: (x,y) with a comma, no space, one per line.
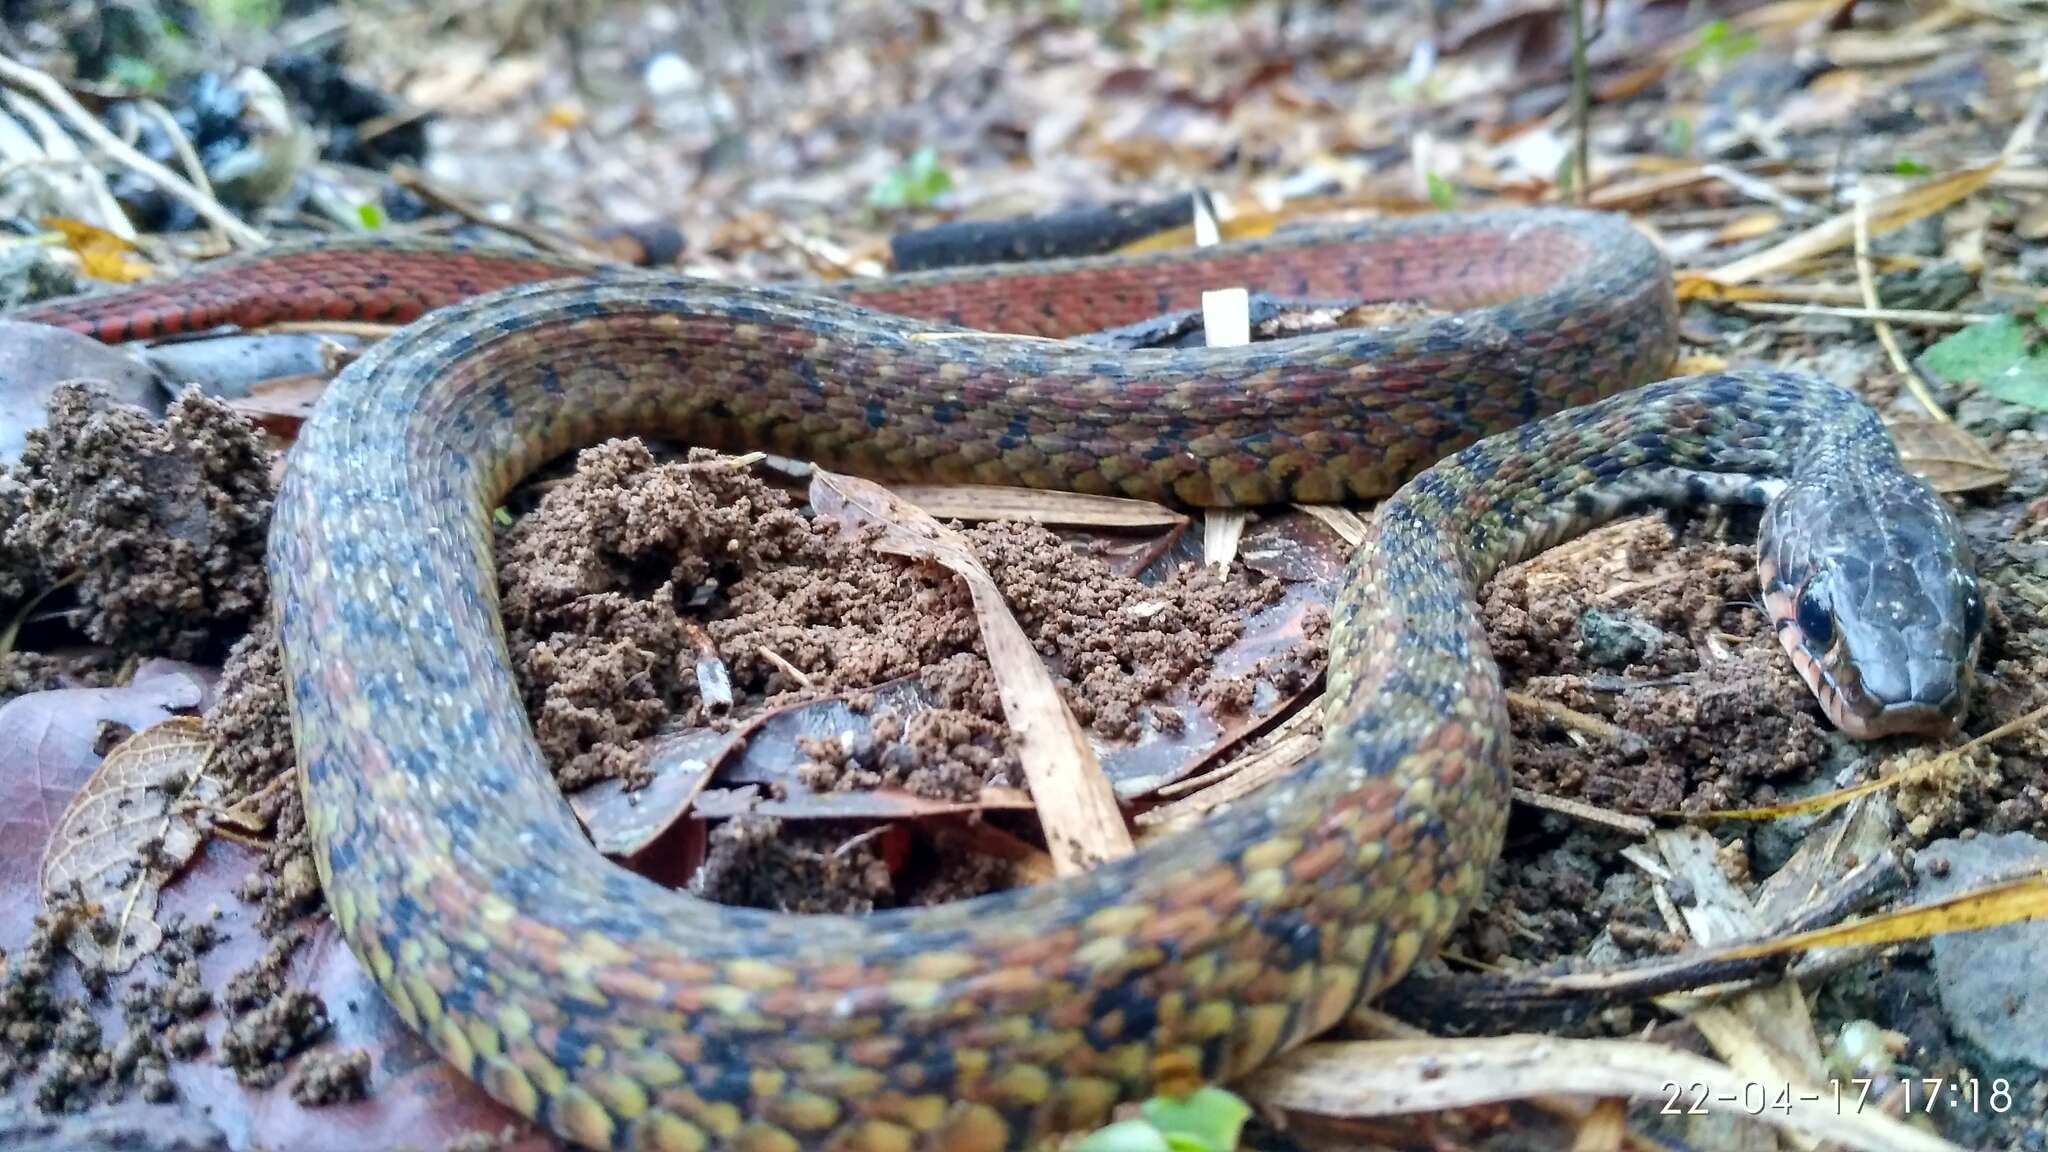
(1076,805)
(1361,1079)
(1839,231)
(975,502)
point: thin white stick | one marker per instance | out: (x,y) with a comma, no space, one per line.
(47,89)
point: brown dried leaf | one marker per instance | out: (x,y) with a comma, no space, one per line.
(1946,455)
(281,406)
(128,832)
(1076,805)
(761,756)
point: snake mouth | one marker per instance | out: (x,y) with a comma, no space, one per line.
(1905,719)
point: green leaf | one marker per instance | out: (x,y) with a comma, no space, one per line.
(1125,1136)
(137,73)
(2006,358)
(1678,136)
(1907,166)
(243,15)
(1207,1120)
(1718,43)
(915,183)
(1442,192)
(370,215)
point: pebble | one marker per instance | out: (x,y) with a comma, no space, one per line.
(1989,981)
(35,358)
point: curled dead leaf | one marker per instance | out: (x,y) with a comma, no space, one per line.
(128,832)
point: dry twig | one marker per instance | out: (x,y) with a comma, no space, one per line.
(47,89)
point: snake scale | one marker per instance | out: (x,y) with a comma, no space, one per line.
(621,1014)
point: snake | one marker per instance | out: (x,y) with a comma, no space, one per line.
(1530,407)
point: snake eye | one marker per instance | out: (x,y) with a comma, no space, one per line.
(1816,623)
(1973,615)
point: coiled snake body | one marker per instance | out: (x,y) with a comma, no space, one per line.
(622,1014)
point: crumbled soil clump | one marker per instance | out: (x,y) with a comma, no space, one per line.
(943,754)
(159,527)
(1664,641)
(259,1041)
(273,1021)
(163,1018)
(623,575)
(41,1032)
(332,1078)
(1661,637)
(1561,894)
(761,862)
(54,1038)
(251,724)
(1118,642)
(814,870)
(25,672)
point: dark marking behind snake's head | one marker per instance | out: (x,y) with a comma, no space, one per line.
(1874,595)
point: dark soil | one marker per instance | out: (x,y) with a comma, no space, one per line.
(326,1077)
(1670,645)
(606,582)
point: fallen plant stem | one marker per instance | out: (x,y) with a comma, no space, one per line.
(424,186)
(1918,317)
(12,634)
(1840,796)
(1573,719)
(1866,277)
(1582,102)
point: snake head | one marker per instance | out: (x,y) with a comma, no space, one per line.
(1869,583)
